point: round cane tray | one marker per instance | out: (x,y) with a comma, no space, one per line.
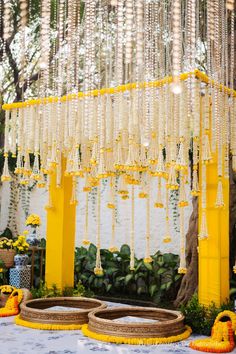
(39,310)
(163,323)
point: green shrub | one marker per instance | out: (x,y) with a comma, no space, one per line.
(44,292)
(201,318)
(158,280)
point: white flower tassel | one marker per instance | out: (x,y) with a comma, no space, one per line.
(148,258)
(219,196)
(36,173)
(206,150)
(160,169)
(132,231)
(159,202)
(6,175)
(195,188)
(181,160)
(203,234)
(167,236)
(111,205)
(182,267)
(86,241)
(98,267)
(73,200)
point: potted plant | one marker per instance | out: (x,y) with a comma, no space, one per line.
(7,252)
(21,247)
(34,222)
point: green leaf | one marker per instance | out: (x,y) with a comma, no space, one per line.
(163,287)
(168,285)
(141,289)
(91,279)
(161,271)
(92,250)
(128,278)
(148,265)
(125,250)
(177,277)
(111,271)
(108,287)
(152,289)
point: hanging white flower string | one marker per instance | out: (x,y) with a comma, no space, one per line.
(98,267)
(127,123)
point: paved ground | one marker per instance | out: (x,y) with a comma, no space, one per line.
(19,340)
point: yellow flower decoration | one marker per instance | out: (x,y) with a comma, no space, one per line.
(111,206)
(113,249)
(33,220)
(167,239)
(182,270)
(86,242)
(46,326)
(136,341)
(98,271)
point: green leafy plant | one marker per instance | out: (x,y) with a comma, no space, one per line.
(201,318)
(232,288)
(151,281)
(44,292)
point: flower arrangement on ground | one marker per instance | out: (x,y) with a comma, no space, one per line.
(222,336)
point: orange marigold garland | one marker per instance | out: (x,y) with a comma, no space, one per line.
(222,336)
(12,305)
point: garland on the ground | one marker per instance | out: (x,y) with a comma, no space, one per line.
(46,326)
(11,307)
(136,341)
(222,337)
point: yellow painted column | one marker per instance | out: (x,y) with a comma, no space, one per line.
(60,245)
(213,282)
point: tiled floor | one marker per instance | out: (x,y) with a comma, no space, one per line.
(20,340)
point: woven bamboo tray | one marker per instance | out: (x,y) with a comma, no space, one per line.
(169,323)
(36,310)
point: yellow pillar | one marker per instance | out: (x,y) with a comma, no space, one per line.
(213,282)
(60,233)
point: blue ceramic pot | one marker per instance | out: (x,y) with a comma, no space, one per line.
(32,238)
(21,260)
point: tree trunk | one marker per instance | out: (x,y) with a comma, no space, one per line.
(190,280)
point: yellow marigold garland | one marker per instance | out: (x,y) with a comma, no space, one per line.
(227,313)
(6,289)
(136,341)
(12,305)
(46,326)
(222,337)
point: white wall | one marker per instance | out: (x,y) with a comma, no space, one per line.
(38,199)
